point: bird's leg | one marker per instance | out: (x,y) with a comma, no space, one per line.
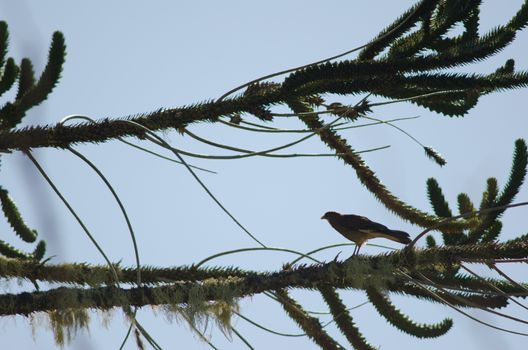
(358,248)
(355,250)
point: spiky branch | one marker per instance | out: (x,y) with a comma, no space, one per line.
(397,64)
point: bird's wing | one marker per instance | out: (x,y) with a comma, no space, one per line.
(362,223)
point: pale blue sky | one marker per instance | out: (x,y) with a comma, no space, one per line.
(128,57)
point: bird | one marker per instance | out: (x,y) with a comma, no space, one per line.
(359,229)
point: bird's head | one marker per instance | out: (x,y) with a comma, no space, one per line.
(330,215)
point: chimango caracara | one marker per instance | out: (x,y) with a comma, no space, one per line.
(360,229)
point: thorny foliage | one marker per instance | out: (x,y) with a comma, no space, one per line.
(409,60)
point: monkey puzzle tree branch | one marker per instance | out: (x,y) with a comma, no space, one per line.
(347,273)
(394,316)
(61,136)
(210,290)
(218,284)
(310,325)
(97,275)
(343,319)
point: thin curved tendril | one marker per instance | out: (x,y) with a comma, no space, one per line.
(335,246)
(402,23)
(164,144)
(376,123)
(396,127)
(348,309)
(142,330)
(439,298)
(465,215)
(92,239)
(258,325)
(258,125)
(417,97)
(127,335)
(129,224)
(267,329)
(371,149)
(84,117)
(236,149)
(121,207)
(242,338)
(300,114)
(272,296)
(72,211)
(147,336)
(177,151)
(301,255)
(260,128)
(298,131)
(500,291)
(166,158)
(508,277)
(234,251)
(329,313)
(265,154)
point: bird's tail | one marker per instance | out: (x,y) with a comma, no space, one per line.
(398,236)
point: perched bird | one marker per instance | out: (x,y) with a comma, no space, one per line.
(360,229)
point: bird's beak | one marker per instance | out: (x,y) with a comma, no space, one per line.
(322,217)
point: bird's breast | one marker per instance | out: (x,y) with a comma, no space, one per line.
(356,236)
